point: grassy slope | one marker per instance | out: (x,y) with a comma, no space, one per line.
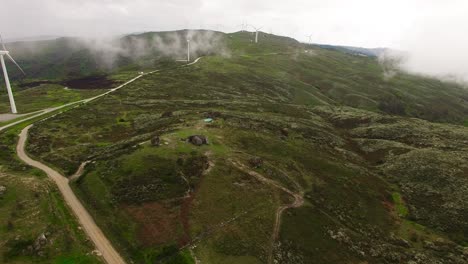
(32,206)
(68,58)
(326,76)
(342,158)
(44,96)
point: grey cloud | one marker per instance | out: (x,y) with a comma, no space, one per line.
(172,44)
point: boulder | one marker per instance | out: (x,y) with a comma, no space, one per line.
(39,244)
(2,190)
(167,114)
(198,140)
(256,162)
(156,141)
(213,115)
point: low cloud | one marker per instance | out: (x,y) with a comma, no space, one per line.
(391,62)
(435,45)
(432,32)
(155,45)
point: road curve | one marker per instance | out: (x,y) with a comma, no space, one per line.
(48,110)
(103,245)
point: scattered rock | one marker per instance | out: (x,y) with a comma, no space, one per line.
(284,132)
(465,251)
(155,141)
(167,114)
(339,236)
(399,241)
(256,162)
(198,140)
(38,245)
(2,190)
(213,115)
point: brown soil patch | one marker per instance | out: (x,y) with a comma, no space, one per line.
(186,206)
(185,210)
(157,222)
(91,82)
(33,84)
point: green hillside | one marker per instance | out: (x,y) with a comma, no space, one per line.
(313,157)
(319,76)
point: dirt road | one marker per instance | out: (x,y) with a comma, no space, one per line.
(39,113)
(102,244)
(8,117)
(79,172)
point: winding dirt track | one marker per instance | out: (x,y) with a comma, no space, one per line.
(49,110)
(103,245)
(298,201)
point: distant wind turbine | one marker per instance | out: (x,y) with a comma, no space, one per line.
(188,50)
(256,32)
(4,52)
(310,38)
(243,26)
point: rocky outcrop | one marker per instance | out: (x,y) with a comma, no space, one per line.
(198,140)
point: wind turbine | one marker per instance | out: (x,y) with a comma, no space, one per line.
(243,26)
(256,33)
(310,38)
(188,50)
(4,52)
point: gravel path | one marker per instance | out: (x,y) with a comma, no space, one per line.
(102,244)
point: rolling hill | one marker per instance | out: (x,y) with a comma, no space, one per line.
(313,156)
(328,77)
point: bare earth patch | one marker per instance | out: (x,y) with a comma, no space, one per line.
(157,223)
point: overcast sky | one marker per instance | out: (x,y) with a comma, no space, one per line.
(434,32)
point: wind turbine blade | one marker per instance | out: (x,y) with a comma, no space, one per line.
(17,65)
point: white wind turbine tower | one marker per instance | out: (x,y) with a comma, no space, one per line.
(256,33)
(310,38)
(188,50)
(4,52)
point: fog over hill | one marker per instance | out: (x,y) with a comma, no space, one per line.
(431,32)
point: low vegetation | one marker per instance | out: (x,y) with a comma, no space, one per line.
(42,97)
(382,170)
